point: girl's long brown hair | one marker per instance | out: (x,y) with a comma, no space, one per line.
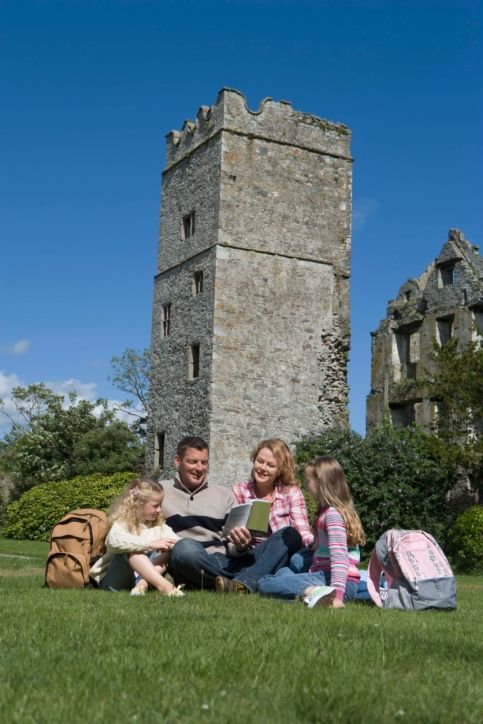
(129,505)
(334,490)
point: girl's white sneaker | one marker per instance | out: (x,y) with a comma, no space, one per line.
(140,589)
(320,596)
(176,592)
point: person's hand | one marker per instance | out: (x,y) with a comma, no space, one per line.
(163,544)
(241,538)
(337,603)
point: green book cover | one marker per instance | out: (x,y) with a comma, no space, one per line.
(258,519)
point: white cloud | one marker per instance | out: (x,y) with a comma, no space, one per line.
(362,210)
(7,383)
(7,411)
(18,348)
(84,390)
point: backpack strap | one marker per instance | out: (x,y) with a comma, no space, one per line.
(374,571)
(382,561)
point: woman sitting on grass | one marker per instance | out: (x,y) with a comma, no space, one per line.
(333,576)
(273,479)
(138,542)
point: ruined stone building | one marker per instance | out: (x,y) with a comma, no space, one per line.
(250,330)
(445,301)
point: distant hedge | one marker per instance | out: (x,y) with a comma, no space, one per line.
(34,514)
(466,541)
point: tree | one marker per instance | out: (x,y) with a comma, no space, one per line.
(456,384)
(58,439)
(132,374)
(29,402)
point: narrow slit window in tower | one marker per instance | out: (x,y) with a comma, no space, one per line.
(194,361)
(159,450)
(166,320)
(197,283)
(188,225)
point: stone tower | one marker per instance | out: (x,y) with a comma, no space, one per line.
(250,332)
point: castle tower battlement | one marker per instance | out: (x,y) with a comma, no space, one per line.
(275,121)
(250,332)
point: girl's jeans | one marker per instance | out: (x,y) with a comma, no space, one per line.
(119,576)
(289,585)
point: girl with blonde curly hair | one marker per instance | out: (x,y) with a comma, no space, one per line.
(138,543)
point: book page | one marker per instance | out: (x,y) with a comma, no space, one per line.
(238,516)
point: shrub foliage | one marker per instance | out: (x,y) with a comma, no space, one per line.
(37,510)
(397,478)
(57,439)
(466,540)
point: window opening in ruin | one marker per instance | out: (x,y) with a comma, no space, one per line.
(446,274)
(166,320)
(478,323)
(197,285)
(194,361)
(445,329)
(159,442)
(188,225)
(407,344)
(403,415)
(407,296)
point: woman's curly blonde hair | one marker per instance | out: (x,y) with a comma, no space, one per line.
(284,458)
(129,505)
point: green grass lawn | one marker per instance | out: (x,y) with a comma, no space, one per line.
(88,656)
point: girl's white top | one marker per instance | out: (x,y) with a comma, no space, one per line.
(120,540)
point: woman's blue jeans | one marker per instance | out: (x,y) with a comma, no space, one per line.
(289,585)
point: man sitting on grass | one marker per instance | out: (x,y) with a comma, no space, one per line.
(197,511)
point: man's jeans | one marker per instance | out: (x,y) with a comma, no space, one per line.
(191,564)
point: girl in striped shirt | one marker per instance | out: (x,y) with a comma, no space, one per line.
(333,576)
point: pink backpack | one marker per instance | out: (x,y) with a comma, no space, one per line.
(417,574)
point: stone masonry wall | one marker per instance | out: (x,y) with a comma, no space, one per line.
(181,406)
(270,315)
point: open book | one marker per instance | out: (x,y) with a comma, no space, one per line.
(252,515)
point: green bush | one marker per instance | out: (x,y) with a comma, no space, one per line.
(34,514)
(466,540)
(396,477)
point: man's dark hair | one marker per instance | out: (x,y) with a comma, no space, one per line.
(190,441)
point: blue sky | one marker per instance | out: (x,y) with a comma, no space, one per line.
(89,90)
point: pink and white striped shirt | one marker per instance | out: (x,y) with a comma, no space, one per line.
(331,552)
(288,508)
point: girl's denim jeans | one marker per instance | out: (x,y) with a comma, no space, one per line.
(289,585)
